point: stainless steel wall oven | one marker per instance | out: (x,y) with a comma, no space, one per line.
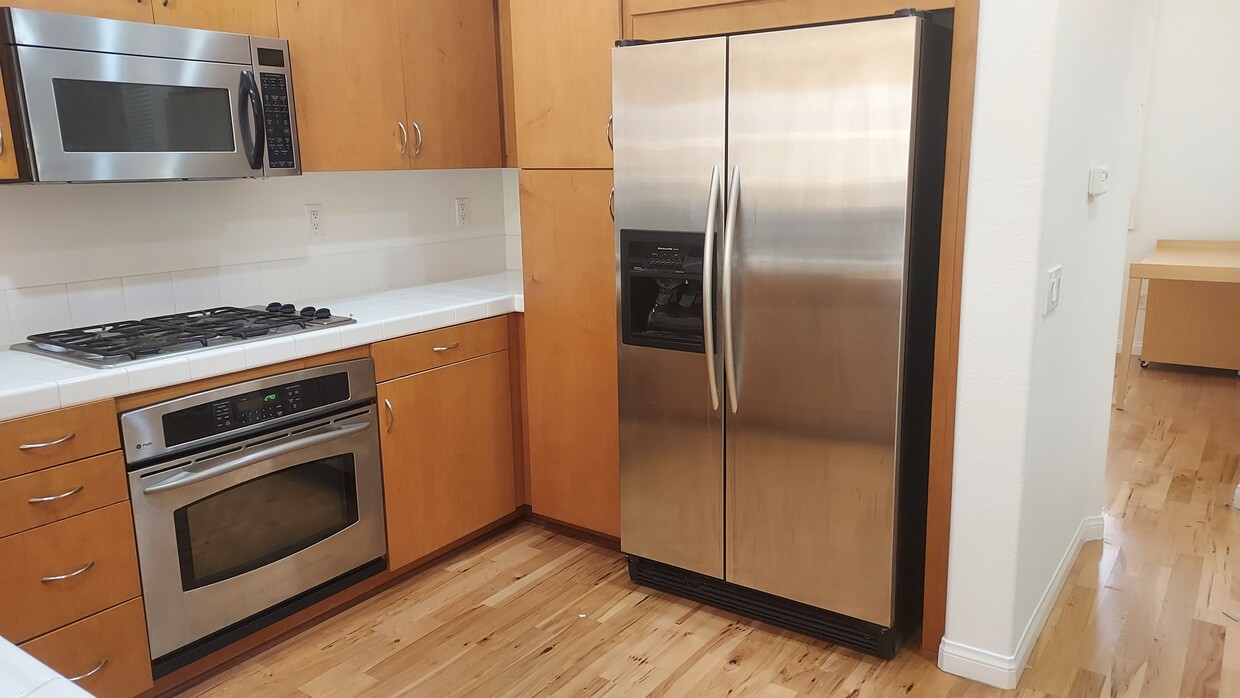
(251,501)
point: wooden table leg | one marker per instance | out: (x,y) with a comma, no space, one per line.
(1125,352)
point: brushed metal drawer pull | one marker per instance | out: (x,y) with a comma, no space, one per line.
(62,495)
(57,442)
(98,668)
(71,575)
(391,415)
(450,347)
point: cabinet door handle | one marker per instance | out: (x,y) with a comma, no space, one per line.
(611,203)
(71,575)
(57,442)
(417,144)
(54,497)
(611,143)
(391,415)
(404,137)
(103,662)
(450,347)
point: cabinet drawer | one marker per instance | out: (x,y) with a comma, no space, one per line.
(100,544)
(62,491)
(420,352)
(36,442)
(112,642)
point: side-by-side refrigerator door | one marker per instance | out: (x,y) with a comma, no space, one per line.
(669,135)
(819,124)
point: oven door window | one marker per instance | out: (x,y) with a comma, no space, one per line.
(265,519)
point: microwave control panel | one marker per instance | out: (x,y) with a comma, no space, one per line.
(279,123)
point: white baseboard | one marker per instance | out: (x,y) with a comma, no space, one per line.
(1003,671)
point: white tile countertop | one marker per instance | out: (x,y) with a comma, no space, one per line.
(23,676)
(30,384)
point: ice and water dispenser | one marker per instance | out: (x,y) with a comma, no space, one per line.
(661,289)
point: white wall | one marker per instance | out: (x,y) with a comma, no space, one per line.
(1190,184)
(79,254)
(1054,96)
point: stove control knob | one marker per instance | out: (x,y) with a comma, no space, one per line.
(274,307)
(308,311)
(288,309)
(323,313)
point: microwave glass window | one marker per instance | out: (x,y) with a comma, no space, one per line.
(121,117)
(265,519)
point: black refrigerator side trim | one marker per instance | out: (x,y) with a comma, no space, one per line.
(877,640)
(921,301)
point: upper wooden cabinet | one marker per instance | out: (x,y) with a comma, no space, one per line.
(451,83)
(557,60)
(349,83)
(257,17)
(570,347)
(657,20)
(130,10)
(8,158)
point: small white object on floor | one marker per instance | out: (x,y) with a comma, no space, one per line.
(1235,498)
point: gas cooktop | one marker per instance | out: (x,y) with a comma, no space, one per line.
(129,341)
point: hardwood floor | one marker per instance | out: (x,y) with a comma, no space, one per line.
(1146,614)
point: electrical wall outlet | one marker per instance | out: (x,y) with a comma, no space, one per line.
(314,220)
(1141,302)
(1054,278)
(462,212)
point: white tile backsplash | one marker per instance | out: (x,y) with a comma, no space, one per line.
(242,284)
(352,273)
(195,289)
(38,309)
(148,295)
(280,280)
(92,302)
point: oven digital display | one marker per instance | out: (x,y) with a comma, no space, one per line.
(256,407)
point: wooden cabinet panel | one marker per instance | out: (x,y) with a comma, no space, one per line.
(57,493)
(129,10)
(452,82)
(568,253)
(427,350)
(1192,323)
(116,636)
(8,156)
(657,20)
(447,455)
(257,17)
(560,57)
(101,543)
(52,438)
(349,82)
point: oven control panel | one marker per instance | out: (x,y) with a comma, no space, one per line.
(254,407)
(279,123)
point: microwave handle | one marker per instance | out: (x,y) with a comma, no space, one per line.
(188,477)
(255,143)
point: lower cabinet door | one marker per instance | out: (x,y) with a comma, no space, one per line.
(447,455)
(106,654)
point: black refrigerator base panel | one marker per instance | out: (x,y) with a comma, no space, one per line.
(877,640)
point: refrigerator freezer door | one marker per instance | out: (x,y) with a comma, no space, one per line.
(819,125)
(669,130)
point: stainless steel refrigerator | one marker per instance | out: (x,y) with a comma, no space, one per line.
(777,203)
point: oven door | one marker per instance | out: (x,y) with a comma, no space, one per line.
(95,117)
(226,536)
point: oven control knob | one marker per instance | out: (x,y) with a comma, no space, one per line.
(323,313)
(308,311)
(288,309)
(274,307)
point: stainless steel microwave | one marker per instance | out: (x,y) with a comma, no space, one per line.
(100,100)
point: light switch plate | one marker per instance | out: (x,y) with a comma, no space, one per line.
(1054,284)
(1098,177)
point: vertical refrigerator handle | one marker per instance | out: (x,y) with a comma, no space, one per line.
(708,284)
(729,242)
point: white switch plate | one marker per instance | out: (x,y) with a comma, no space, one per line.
(462,211)
(1098,176)
(1054,278)
(314,220)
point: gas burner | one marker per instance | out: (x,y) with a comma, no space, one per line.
(111,344)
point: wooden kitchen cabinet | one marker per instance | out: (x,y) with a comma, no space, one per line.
(557,63)
(349,83)
(447,455)
(257,17)
(8,157)
(129,10)
(111,646)
(570,346)
(451,83)
(657,20)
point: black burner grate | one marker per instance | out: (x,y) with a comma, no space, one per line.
(166,334)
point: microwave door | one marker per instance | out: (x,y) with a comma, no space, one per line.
(96,117)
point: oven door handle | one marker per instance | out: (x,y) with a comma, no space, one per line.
(189,477)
